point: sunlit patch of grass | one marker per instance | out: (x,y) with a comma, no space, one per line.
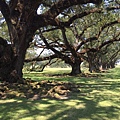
(48,74)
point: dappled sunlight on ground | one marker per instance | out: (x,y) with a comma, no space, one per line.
(97,97)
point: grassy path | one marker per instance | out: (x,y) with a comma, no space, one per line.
(98,99)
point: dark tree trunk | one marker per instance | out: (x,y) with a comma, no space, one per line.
(76,69)
(11,65)
(91,67)
(20,59)
(93,61)
(112,64)
(7,60)
(19,62)
(104,66)
(94,67)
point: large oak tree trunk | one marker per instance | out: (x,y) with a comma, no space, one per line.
(20,58)
(93,61)
(11,65)
(7,60)
(93,67)
(76,69)
(112,64)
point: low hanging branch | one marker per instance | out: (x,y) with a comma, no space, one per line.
(107,25)
(41,58)
(48,63)
(67,44)
(115,39)
(57,53)
(86,41)
(114,54)
(81,15)
(114,8)
(97,36)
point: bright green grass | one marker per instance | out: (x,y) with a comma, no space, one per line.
(46,74)
(99,99)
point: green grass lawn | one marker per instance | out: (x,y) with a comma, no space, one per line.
(98,99)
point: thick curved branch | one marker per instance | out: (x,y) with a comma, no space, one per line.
(114,54)
(69,47)
(48,18)
(97,36)
(6,13)
(41,59)
(58,7)
(107,25)
(67,24)
(108,42)
(115,39)
(113,8)
(5,10)
(86,41)
(59,54)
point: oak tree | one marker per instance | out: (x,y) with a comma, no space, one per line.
(22,20)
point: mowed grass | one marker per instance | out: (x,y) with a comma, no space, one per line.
(98,99)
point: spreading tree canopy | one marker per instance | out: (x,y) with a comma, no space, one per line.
(23,21)
(87,37)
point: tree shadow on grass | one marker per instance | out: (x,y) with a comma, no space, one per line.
(93,102)
(90,111)
(98,99)
(46,109)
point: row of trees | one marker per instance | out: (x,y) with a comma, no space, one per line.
(90,38)
(73,30)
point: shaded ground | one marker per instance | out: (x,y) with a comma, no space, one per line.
(35,90)
(89,97)
(44,89)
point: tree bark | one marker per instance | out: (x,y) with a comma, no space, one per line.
(12,60)
(93,67)
(7,60)
(11,66)
(20,61)
(93,61)
(76,69)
